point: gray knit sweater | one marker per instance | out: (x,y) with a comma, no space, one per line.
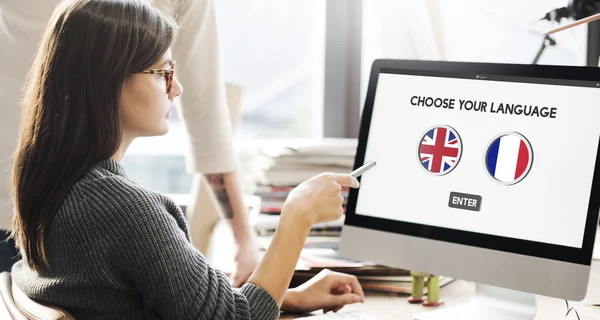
(119,251)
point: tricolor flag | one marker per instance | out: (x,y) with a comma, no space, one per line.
(509,158)
(440,149)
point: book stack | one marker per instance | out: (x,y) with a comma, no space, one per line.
(372,277)
(281,165)
(285,163)
(321,253)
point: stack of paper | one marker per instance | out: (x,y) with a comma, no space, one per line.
(281,165)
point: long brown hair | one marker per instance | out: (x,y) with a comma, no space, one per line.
(71,117)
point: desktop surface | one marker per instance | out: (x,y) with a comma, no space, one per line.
(383,307)
(396,307)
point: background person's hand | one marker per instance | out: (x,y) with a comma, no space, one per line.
(328,290)
(319,199)
(246,260)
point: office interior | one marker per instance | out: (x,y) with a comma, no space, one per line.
(296,75)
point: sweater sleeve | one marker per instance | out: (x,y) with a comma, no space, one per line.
(172,277)
(203,106)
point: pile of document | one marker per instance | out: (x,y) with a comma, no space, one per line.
(285,163)
(281,165)
(322,253)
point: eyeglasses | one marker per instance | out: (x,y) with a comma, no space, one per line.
(167,73)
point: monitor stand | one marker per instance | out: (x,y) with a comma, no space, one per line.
(489,303)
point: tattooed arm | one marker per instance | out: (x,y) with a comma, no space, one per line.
(217,182)
(228,192)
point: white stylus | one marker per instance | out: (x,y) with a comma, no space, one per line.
(364,168)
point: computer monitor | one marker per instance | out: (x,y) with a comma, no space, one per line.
(485,172)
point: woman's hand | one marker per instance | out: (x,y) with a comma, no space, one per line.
(319,199)
(328,290)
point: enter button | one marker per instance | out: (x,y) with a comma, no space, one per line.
(464,201)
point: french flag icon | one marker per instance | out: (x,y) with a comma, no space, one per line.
(509,158)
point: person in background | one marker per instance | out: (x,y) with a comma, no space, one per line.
(203,109)
(206,118)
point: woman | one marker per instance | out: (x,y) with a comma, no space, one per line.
(94,242)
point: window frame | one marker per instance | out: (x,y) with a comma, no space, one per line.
(343,45)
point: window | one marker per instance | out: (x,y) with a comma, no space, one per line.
(508,31)
(466,30)
(275,51)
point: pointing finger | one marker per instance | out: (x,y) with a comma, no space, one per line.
(345,180)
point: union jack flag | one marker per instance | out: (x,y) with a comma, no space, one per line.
(439,150)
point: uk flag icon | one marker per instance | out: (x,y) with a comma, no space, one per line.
(440,149)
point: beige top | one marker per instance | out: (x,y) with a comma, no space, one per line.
(203,105)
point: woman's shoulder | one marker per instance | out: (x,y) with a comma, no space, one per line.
(108,191)
(110,202)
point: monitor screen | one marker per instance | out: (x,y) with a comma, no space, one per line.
(507,157)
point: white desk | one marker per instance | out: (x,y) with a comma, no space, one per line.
(397,308)
(458,292)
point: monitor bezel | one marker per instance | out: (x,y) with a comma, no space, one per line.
(581,255)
